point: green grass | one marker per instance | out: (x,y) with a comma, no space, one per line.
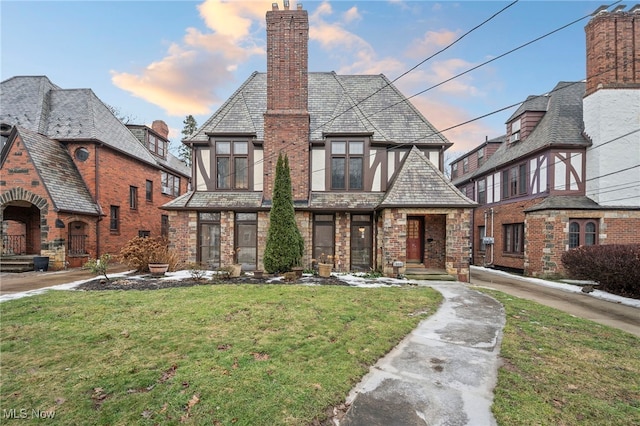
(223,354)
(562,370)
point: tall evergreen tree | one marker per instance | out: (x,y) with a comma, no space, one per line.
(190,126)
(285,245)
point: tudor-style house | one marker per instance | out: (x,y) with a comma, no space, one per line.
(76,182)
(568,171)
(365,167)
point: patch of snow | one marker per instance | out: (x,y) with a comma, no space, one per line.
(566,287)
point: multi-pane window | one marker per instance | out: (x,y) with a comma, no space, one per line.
(156,145)
(454,170)
(465,165)
(480,156)
(514,181)
(583,232)
(323,236)
(515,131)
(170,184)
(347,161)
(114,218)
(482,191)
(513,238)
(133,198)
(209,239)
(149,190)
(232,165)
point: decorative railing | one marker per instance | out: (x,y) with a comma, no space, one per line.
(77,244)
(14,244)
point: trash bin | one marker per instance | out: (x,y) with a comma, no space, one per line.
(41,263)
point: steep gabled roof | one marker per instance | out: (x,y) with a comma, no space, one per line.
(36,104)
(347,104)
(59,174)
(435,190)
(561,125)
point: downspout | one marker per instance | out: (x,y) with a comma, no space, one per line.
(97,184)
(484,262)
(494,240)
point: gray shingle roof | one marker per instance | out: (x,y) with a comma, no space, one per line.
(337,104)
(216,200)
(34,103)
(345,201)
(435,190)
(59,174)
(565,202)
(561,125)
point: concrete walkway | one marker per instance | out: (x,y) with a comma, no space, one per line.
(442,373)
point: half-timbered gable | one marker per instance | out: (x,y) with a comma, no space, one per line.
(566,174)
(348,138)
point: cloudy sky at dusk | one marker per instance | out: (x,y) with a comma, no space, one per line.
(167,59)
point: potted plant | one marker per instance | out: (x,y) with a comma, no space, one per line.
(325,265)
(147,253)
(297,269)
(236,268)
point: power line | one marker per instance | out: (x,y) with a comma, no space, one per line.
(415,66)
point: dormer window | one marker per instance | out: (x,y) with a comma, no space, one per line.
(515,131)
(156,145)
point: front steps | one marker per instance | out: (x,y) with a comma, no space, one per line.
(417,271)
(16,263)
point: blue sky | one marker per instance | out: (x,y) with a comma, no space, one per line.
(167,59)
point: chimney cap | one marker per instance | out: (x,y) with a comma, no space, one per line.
(619,8)
(286,4)
(635,9)
(601,9)
(274,6)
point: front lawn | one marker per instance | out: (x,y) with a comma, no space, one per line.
(562,370)
(221,354)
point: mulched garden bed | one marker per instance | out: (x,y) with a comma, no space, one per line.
(150,282)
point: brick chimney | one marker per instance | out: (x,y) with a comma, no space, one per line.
(613,49)
(286,121)
(161,128)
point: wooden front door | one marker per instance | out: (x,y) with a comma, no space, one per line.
(415,232)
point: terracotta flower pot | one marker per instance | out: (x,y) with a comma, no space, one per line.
(158,268)
(324,269)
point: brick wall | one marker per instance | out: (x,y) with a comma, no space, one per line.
(613,51)
(548,235)
(507,213)
(452,251)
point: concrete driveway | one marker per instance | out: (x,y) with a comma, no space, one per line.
(581,305)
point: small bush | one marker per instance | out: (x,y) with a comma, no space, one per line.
(615,267)
(197,271)
(140,251)
(99,266)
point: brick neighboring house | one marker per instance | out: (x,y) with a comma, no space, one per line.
(568,173)
(365,167)
(76,182)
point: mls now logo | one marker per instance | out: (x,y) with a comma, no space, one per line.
(23,413)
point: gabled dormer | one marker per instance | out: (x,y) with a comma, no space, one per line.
(154,138)
(526,118)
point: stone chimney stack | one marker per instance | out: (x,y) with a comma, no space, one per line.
(161,128)
(286,121)
(613,49)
